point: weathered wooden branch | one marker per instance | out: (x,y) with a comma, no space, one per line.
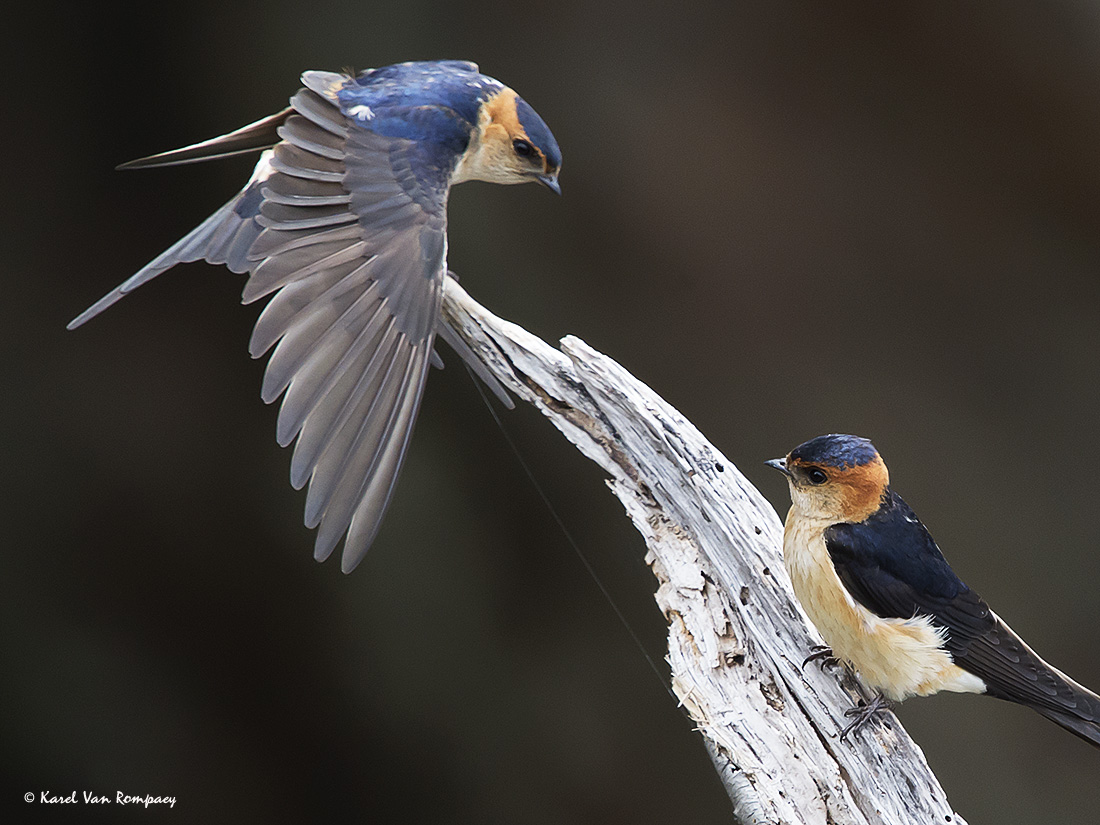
(737,637)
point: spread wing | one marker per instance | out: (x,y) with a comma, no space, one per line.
(355,247)
(891,565)
(347,229)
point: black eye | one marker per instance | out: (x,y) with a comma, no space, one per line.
(523,148)
(816,476)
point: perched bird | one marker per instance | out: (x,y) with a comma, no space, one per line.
(344,220)
(886,602)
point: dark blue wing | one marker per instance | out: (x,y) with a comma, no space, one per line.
(891,565)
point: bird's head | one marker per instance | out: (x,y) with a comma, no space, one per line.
(510,144)
(839,478)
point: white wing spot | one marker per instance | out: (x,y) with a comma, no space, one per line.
(362,112)
(484,83)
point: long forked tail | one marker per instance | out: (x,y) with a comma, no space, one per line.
(224,237)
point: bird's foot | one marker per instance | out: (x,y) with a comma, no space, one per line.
(824,654)
(863,711)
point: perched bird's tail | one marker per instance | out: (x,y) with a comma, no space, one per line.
(1015,672)
(227,235)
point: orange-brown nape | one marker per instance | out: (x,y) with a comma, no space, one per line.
(842,478)
(500,111)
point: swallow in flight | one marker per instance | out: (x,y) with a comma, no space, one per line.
(886,602)
(344,223)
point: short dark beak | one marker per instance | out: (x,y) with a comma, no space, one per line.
(551,183)
(779,464)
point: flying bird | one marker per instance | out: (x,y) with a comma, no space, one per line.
(344,223)
(884,599)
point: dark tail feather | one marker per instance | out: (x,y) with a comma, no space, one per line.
(250,138)
(1087,729)
(1014,672)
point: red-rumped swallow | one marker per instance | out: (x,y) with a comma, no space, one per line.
(886,602)
(344,220)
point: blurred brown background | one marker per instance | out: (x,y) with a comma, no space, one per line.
(788,219)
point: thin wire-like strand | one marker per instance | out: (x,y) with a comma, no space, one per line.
(569,537)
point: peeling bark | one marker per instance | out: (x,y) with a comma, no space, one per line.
(737,637)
